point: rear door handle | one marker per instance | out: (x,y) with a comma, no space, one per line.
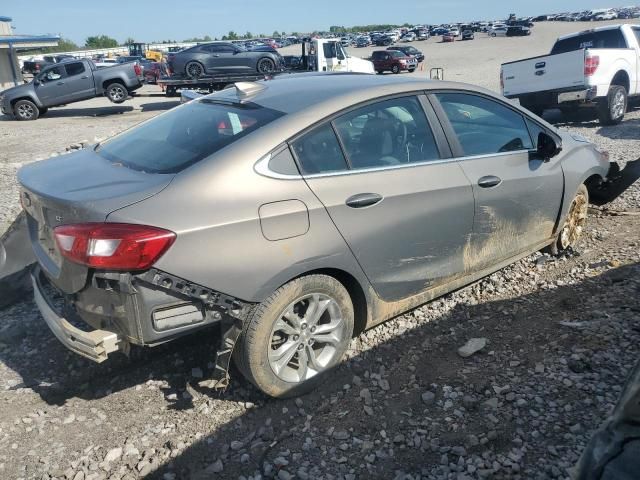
(60,83)
(84,77)
(489,181)
(362,200)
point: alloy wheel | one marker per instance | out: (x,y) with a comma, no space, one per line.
(117,93)
(617,106)
(26,111)
(305,337)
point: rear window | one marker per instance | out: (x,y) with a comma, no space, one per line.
(603,39)
(185,135)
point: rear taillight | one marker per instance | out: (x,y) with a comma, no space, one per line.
(136,68)
(113,246)
(591,64)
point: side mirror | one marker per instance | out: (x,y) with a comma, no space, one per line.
(548,147)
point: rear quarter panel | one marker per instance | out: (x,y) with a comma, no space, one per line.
(613,61)
(214,209)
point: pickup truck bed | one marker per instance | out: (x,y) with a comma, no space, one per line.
(211,83)
(595,68)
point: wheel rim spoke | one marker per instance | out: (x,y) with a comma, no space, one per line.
(280,357)
(330,338)
(302,364)
(328,327)
(313,359)
(284,327)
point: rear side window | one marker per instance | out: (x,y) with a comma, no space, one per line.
(75,68)
(636,31)
(484,126)
(378,55)
(319,151)
(603,39)
(389,133)
(185,135)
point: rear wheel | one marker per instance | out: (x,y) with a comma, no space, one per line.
(395,69)
(611,110)
(266,65)
(117,93)
(379,72)
(194,70)
(411,70)
(296,336)
(25,110)
(569,236)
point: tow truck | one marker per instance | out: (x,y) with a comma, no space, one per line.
(318,55)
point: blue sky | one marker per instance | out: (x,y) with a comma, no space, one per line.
(146,20)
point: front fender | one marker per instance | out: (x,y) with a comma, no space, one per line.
(583,161)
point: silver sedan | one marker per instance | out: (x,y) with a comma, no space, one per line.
(296,213)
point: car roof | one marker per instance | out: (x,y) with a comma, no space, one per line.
(321,94)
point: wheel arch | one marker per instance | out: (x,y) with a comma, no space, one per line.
(25,97)
(622,79)
(106,83)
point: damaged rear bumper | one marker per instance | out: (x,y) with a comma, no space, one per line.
(95,345)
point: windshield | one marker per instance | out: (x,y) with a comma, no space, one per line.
(185,135)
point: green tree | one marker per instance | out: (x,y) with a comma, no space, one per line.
(101,41)
(129,41)
(276,34)
(64,45)
(248,35)
(232,35)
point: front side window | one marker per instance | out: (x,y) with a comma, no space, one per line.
(185,135)
(318,151)
(388,133)
(75,68)
(484,126)
(55,73)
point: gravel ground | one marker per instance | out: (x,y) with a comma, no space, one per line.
(561,335)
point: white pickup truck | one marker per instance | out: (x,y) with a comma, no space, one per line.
(594,68)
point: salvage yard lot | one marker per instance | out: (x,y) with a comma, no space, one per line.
(562,335)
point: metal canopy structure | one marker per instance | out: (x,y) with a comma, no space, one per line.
(10,43)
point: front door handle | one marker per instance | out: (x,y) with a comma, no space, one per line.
(489,181)
(60,83)
(362,200)
(84,77)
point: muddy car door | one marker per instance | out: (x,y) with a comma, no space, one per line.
(517,194)
(405,208)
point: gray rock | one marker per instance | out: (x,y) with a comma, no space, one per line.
(472,346)
(113,455)
(428,397)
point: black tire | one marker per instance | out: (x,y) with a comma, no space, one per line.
(395,69)
(535,109)
(611,109)
(25,110)
(256,342)
(194,70)
(576,217)
(116,93)
(379,72)
(266,66)
(411,70)
(43,111)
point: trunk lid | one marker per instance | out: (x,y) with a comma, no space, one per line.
(76,188)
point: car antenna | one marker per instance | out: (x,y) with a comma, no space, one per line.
(246,89)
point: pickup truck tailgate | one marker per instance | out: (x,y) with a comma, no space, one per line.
(538,74)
